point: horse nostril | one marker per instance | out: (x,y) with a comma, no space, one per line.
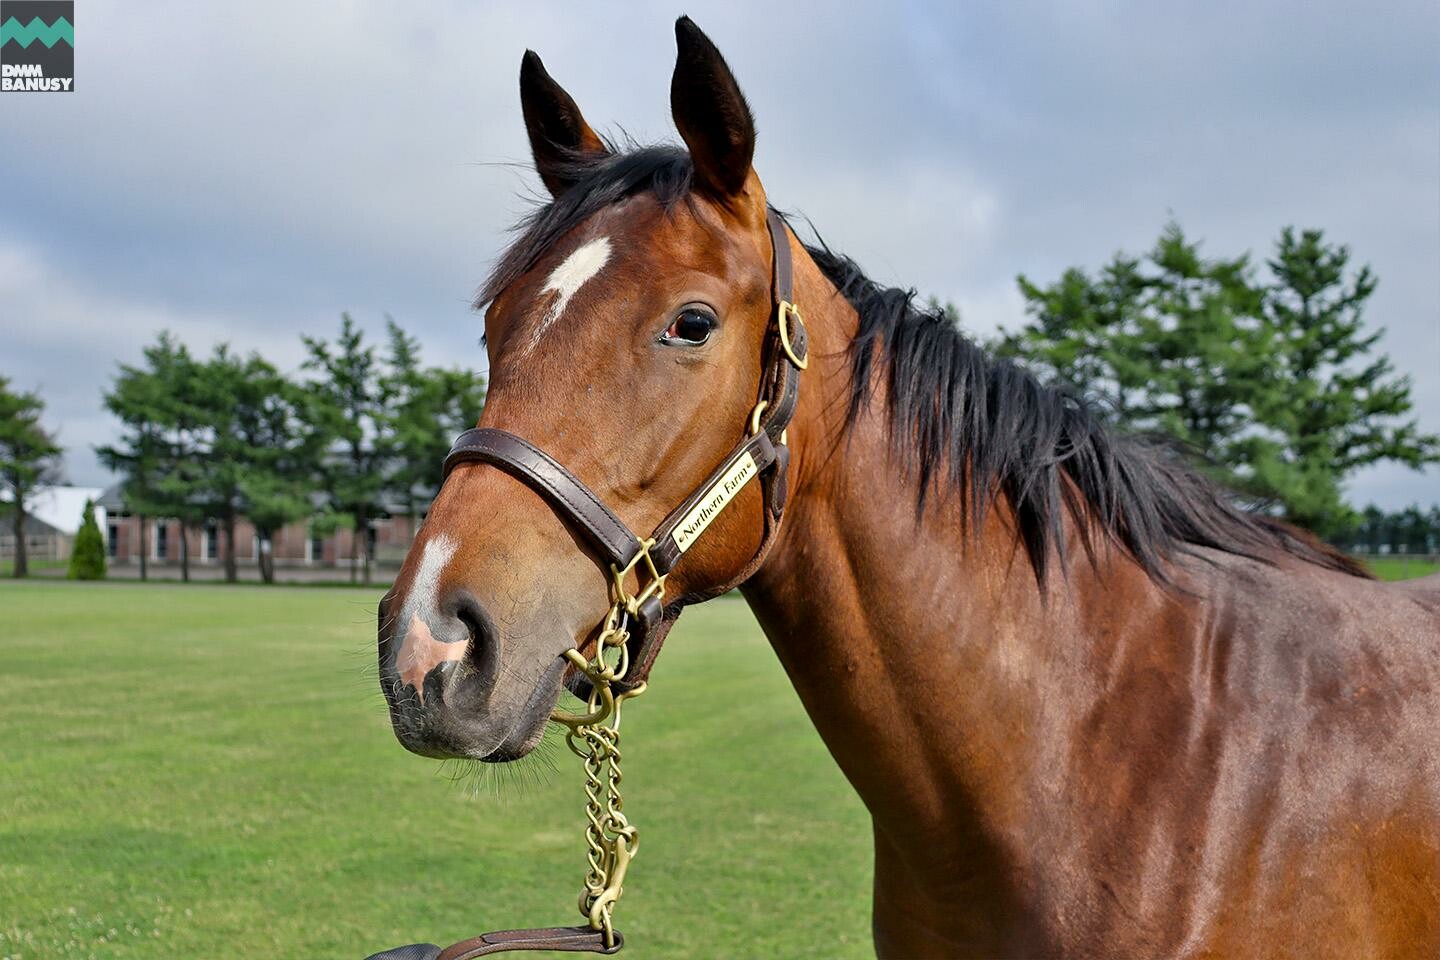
(483,656)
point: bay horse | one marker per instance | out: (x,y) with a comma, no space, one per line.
(1093,708)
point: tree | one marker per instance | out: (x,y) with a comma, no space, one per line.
(29,457)
(87,557)
(425,408)
(392,420)
(1267,379)
(347,403)
(1339,407)
(1089,333)
(1173,343)
(261,459)
(157,449)
(179,385)
(1411,530)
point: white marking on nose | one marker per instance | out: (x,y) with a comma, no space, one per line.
(425,589)
(419,651)
(424,598)
(568,278)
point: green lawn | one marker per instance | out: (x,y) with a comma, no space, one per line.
(7,566)
(208,772)
(1401,567)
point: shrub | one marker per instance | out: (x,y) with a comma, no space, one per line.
(87,560)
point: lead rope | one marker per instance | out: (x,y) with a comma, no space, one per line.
(594,736)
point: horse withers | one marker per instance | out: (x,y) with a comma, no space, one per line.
(1093,708)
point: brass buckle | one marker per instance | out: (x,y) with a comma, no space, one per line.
(787,310)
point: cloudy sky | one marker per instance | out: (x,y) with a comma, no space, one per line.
(243,172)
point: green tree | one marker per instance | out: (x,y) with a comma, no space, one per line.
(1090,333)
(1268,379)
(1338,405)
(1369,530)
(391,418)
(157,452)
(29,457)
(944,308)
(180,383)
(348,404)
(425,408)
(87,558)
(1173,343)
(1411,530)
(261,458)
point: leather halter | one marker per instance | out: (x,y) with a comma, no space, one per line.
(762,453)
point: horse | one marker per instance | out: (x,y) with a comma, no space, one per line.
(1094,708)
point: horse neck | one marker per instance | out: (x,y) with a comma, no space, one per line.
(925,654)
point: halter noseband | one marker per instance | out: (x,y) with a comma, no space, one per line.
(763,454)
(642,619)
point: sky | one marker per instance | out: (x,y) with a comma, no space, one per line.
(243,173)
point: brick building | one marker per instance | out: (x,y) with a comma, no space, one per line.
(296,545)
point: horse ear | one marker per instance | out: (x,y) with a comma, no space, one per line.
(560,138)
(711,114)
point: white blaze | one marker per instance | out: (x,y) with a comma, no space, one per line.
(568,278)
(419,651)
(424,598)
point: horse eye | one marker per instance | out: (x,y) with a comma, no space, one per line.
(691,327)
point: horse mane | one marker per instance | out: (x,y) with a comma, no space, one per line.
(961,420)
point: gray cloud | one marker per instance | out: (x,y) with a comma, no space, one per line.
(246,172)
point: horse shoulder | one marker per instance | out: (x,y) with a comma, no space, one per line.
(1330,715)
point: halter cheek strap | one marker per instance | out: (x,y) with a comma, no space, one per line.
(762,455)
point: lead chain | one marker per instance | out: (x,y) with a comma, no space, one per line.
(610,839)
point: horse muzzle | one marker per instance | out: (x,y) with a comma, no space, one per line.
(440,672)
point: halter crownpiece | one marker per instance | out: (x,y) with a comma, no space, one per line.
(637,624)
(762,453)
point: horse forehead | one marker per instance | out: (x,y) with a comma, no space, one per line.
(583,263)
(565,280)
(625,240)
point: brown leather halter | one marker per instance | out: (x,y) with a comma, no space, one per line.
(762,453)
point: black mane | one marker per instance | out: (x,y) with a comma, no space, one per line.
(962,421)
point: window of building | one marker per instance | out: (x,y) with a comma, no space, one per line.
(317,550)
(212,542)
(112,540)
(370,537)
(162,540)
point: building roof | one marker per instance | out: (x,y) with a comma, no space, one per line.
(113,499)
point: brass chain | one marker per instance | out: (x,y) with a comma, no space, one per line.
(594,736)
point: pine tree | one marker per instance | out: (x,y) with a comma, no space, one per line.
(347,403)
(1334,406)
(263,459)
(87,559)
(1273,380)
(425,409)
(29,456)
(156,450)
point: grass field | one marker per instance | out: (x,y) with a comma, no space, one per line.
(7,566)
(208,772)
(1401,567)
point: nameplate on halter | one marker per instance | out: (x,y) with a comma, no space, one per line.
(715,499)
